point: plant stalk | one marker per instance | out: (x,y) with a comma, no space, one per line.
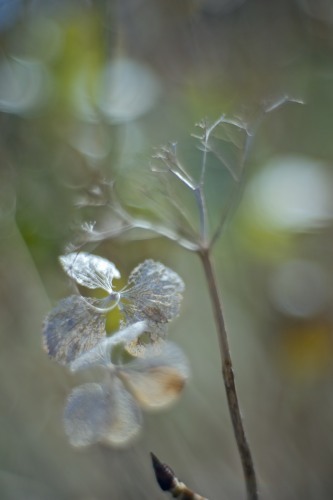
(229,379)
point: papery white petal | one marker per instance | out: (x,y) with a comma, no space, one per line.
(157,381)
(71,329)
(127,417)
(129,333)
(101,413)
(101,354)
(148,344)
(154,294)
(105,304)
(90,270)
(98,356)
(85,414)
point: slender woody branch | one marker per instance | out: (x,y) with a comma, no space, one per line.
(229,379)
(204,251)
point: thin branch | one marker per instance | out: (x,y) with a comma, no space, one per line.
(170,160)
(251,132)
(233,198)
(155,229)
(224,215)
(227,370)
(224,162)
(229,379)
(202,207)
(172,198)
(204,142)
(134,223)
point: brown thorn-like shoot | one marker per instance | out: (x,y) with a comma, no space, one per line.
(168,481)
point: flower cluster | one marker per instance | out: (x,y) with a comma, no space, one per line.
(74,335)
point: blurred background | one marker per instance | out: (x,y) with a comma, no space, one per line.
(87,90)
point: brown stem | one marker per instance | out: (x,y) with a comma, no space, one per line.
(229,379)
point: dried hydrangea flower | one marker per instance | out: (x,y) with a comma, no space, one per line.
(110,412)
(74,335)
(153,293)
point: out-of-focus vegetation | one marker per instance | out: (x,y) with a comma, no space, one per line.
(87,89)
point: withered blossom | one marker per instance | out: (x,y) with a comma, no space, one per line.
(110,411)
(153,294)
(74,335)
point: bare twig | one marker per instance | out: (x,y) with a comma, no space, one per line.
(204,250)
(227,369)
(229,379)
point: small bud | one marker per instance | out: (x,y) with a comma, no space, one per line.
(163,473)
(168,481)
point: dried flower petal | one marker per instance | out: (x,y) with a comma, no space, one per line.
(90,270)
(100,355)
(101,413)
(71,329)
(154,294)
(138,347)
(156,381)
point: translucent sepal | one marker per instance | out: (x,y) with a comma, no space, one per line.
(71,329)
(90,270)
(156,381)
(101,413)
(100,355)
(154,294)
